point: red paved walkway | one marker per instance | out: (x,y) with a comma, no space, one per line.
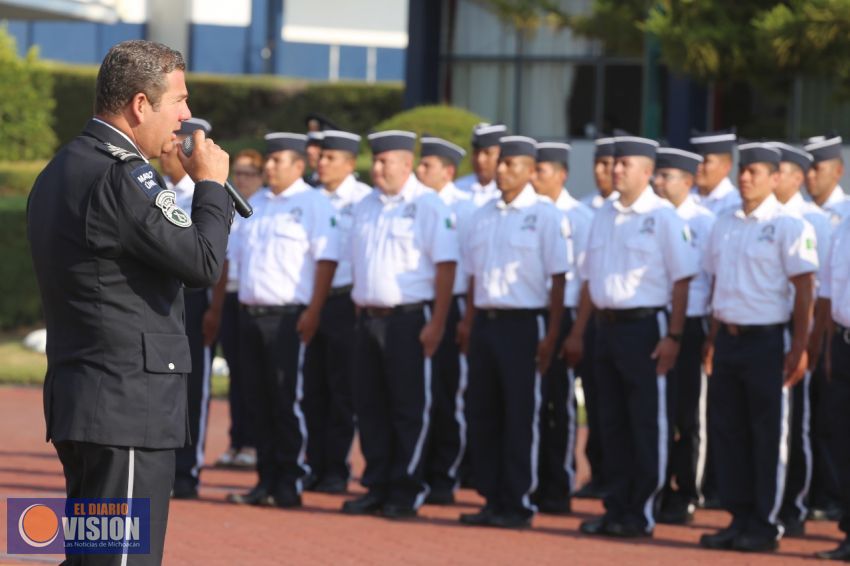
(209,531)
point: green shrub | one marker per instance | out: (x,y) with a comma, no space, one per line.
(20,303)
(26,104)
(241,106)
(17,177)
(447,122)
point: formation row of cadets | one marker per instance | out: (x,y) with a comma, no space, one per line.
(404,256)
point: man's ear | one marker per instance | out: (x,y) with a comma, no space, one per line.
(139,108)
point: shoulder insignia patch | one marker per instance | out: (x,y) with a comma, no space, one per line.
(165,200)
(145,177)
(119,152)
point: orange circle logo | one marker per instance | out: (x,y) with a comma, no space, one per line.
(38,525)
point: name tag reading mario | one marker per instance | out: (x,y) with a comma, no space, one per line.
(145,177)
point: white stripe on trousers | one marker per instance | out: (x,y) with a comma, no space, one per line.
(202,425)
(702,415)
(426,422)
(463,382)
(800,501)
(782,460)
(569,460)
(535,425)
(299,414)
(661,385)
(131,478)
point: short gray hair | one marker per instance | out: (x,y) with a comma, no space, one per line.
(132,67)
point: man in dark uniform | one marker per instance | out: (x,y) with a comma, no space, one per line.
(111,252)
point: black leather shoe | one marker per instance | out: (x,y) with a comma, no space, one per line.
(184,490)
(510,521)
(829,512)
(394,511)
(369,504)
(483,518)
(554,506)
(678,513)
(754,543)
(842,552)
(625,530)
(286,498)
(440,497)
(331,485)
(721,540)
(794,527)
(711,502)
(309,482)
(595,526)
(257,496)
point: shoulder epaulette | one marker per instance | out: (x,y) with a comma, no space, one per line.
(118,152)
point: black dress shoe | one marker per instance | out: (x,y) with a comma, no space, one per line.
(510,521)
(309,482)
(830,512)
(721,540)
(257,496)
(625,530)
(754,543)
(184,490)
(711,502)
(595,526)
(440,497)
(794,527)
(554,506)
(678,513)
(395,511)
(331,485)
(286,498)
(842,552)
(369,504)
(483,518)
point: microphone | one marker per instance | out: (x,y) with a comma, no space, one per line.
(242,207)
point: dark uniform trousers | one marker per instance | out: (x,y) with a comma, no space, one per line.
(686,408)
(97,471)
(825,487)
(749,410)
(503,406)
(447,437)
(273,359)
(190,458)
(242,433)
(593,448)
(392,401)
(800,461)
(839,417)
(633,412)
(327,389)
(558,426)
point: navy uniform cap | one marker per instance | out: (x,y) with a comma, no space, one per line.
(757,152)
(603,147)
(824,148)
(391,140)
(344,141)
(554,152)
(188,127)
(722,141)
(487,135)
(512,146)
(634,145)
(803,159)
(283,141)
(442,148)
(673,158)
(315,138)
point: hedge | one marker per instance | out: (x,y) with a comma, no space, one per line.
(241,106)
(20,303)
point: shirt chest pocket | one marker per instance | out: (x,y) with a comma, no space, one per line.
(290,236)
(643,249)
(764,258)
(406,254)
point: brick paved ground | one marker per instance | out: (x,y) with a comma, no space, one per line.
(209,531)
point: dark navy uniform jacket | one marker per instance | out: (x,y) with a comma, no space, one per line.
(111,252)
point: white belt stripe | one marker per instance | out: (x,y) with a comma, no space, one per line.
(299,414)
(535,426)
(800,501)
(131,478)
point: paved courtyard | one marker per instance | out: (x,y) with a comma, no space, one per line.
(209,531)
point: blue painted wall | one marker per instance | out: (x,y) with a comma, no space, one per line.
(352,62)
(304,60)
(217,49)
(390,65)
(73,42)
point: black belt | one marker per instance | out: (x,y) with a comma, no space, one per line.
(344,290)
(495,314)
(843,331)
(747,329)
(380,312)
(627,315)
(259,310)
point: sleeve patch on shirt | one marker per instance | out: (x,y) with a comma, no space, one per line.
(810,244)
(449,224)
(333,221)
(686,234)
(165,200)
(145,177)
